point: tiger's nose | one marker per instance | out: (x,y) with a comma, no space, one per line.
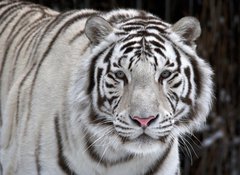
(143,122)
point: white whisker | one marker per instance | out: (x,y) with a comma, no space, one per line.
(98,139)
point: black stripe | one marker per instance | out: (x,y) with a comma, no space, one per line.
(62,162)
(131,61)
(109,85)
(92,71)
(142,33)
(159,51)
(128,44)
(186,100)
(121,33)
(129,49)
(112,98)
(177,59)
(164,127)
(65,133)
(122,121)
(116,105)
(176,85)
(173,77)
(175,95)
(112,77)
(159,45)
(38,152)
(158,163)
(136,23)
(172,106)
(158,23)
(155,61)
(100,98)
(163,121)
(141,18)
(123,128)
(197,76)
(116,65)
(120,60)
(171,65)
(128,29)
(188,75)
(109,55)
(129,37)
(159,38)
(167,62)
(160,30)
(19,93)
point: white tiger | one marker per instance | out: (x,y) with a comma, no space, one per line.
(94,93)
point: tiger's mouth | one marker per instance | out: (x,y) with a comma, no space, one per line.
(144,138)
(144,144)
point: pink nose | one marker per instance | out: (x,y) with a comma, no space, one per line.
(144,122)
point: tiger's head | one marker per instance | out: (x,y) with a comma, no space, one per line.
(144,83)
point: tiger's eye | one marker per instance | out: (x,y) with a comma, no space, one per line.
(165,74)
(120,74)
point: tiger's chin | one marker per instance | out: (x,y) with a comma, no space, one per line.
(144,144)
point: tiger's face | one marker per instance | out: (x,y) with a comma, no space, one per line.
(144,86)
(138,99)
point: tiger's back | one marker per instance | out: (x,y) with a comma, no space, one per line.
(57,91)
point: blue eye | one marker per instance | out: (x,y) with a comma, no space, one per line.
(165,74)
(120,74)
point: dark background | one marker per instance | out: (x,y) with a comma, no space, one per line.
(216,150)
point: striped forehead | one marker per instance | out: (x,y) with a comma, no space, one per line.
(144,38)
(142,46)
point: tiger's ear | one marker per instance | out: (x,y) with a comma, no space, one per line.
(188,28)
(97,28)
